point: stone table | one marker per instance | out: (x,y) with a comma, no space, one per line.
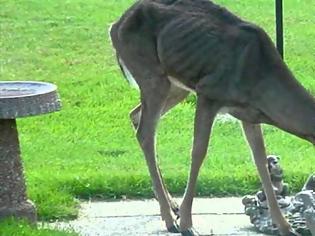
(19,99)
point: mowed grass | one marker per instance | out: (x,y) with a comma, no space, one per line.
(12,227)
(88,150)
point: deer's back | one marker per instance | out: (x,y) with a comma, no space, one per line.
(192,38)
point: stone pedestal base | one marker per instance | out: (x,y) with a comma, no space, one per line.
(24,210)
(13,199)
(19,99)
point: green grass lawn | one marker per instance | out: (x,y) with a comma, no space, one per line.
(88,150)
(21,228)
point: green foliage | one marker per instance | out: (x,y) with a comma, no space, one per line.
(22,228)
(88,149)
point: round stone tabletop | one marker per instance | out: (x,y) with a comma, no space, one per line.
(27,98)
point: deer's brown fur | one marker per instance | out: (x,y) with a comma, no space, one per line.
(173,47)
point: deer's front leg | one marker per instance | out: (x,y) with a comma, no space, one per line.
(205,113)
(255,140)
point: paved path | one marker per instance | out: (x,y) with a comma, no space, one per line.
(216,216)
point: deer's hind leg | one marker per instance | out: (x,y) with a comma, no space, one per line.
(152,104)
(154,91)
(175,96)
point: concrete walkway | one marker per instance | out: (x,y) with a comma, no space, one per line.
(216,216)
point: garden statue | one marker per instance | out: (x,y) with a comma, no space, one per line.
(276,175)
(299,210)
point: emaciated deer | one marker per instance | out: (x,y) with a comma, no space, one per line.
(174,47)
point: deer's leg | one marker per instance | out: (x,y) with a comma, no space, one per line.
(175,96)
(135,116)
(153,100)
(255,140)
(206,111)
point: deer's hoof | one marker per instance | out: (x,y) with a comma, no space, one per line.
(190,232)
(174,228)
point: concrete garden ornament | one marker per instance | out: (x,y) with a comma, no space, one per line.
(299,209)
